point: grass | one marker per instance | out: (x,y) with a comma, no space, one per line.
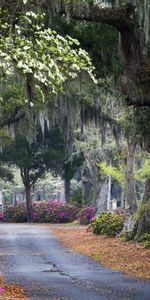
(131,258)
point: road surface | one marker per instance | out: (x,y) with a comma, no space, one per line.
(32,257)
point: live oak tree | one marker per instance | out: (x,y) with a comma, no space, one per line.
(125,18)
(134,36)
(128,17)
(29,159)
(35,158)
(135,127)
(39,57)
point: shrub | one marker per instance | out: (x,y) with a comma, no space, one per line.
(108,223)
(2,216)
(54,212)
(86,215)
(143,208)
(40,212)
(147,244)
(146,239)
(43,212)
(16,213)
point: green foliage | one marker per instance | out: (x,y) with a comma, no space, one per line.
(98,39)
(144,172)
(16,213)
(36,156)
(12,95)
(6,174)
(146,239)
(147,244)
(9,187)
(126,121)
(115,172)
(54,154)
(5,139)
(146,236)
(108,223)
(19,153)
(142,209)
(76,198)
(136,123)
(7,197)
(41,54)
(73,164)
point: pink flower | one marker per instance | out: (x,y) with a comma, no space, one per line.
(1,290)
(92,219)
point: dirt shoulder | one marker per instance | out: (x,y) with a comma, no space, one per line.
(11,291)
(128,257)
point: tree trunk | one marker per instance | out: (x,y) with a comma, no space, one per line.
(142,225)
(130,198)
(101,200)
(136,76)
(14,198)
(87,187)
(146,196)
(26,182)
(95,192)
(28,203)
(123,197)
(109,202)
(67,190)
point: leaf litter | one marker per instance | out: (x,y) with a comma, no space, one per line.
(131,258)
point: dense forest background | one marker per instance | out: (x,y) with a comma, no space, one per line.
(75,102)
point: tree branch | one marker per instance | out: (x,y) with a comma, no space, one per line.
(120,18)
(123,19)
(79,10)
(12,119)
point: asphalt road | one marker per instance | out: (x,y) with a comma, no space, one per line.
(31,256)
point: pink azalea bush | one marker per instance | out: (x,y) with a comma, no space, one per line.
(50,212)
(16,213)
(43,212)
(1,290)
(86,215)
(54,212)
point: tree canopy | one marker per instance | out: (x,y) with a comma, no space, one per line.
(45,56)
